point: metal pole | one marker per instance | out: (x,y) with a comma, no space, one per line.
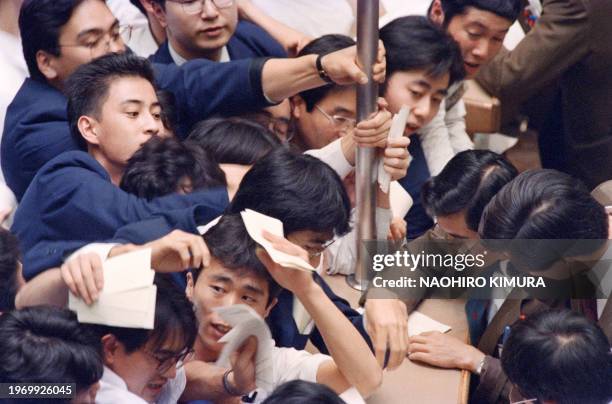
(365,178)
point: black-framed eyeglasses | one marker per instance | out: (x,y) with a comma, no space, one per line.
(316,252)
(193,7)
(101,44)
(165,362)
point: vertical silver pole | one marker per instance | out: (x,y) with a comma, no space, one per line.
(365,179)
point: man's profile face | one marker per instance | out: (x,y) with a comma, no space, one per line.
(456,226)
(129,115)
(92,31)
(218,286)
(314,242)
(317,128)
(420,92)
(480,35)
(202,34)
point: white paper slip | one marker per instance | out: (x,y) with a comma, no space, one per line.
(139,314)
(398,127)
(255,223)
(128,297)
(246,322)
(419,323)
(128,271)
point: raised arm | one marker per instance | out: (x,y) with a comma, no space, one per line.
(354,364)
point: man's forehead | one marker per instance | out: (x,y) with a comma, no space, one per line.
(88,16)
(130,89)
(239,277)
(486,19)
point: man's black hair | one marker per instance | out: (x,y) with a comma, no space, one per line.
(323,46)
(415,43)
(174,319)
(40,23)
(508,9)
(229,242)
(300,190)
(467,183)
(559,356)
(300,391)
(46,344)
(87,88)
(9,266)
(169,113)
(552,210)
(544,204)
(234,140)
(160,165)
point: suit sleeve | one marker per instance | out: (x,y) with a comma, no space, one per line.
(557,42)
(78,205)
(203,88)
(351,314)
(40,138)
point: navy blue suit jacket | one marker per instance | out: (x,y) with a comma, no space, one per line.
(249,41)
(36,127)
(417,218)
(72,202)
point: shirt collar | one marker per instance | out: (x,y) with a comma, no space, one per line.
(179,60)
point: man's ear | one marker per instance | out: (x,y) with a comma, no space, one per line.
(437,13)
(87,126)
(271,306)
(158,12)
(297,104)
(46,64)
(110,347)
(189,287)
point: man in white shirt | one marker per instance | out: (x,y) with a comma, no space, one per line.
(479,27)
(241,274)
(146,365)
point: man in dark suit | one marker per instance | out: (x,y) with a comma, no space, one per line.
(569,47)
(75,198)
(210,30)
(518,211)
(60,35)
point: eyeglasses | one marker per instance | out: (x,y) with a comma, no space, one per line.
(101,44)
(192,7)
(339,121)
(316,252)
(168,361)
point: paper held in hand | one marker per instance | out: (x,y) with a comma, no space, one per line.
(398,126)
(128,297)
(419,323)
(245,322)
(255,223)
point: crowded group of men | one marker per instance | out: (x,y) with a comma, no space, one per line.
(135,125)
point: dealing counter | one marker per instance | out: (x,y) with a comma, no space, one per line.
(414,383)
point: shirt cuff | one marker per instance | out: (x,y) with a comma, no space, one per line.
(333,156)
(102,249)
